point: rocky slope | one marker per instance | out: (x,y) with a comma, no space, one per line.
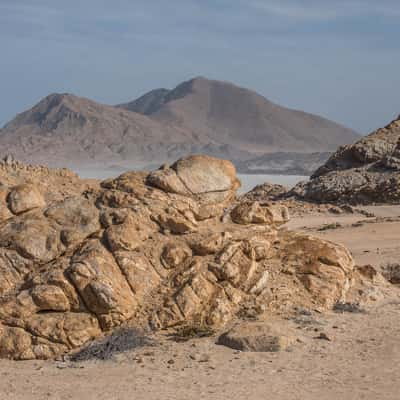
(150,250)
(365,172)
(199,116)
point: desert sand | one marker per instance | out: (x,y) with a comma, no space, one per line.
(357,358)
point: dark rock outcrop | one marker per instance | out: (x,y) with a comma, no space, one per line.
(365,172)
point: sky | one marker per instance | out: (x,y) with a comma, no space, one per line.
(336,58)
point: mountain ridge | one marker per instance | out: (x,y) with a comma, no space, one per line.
(197,116)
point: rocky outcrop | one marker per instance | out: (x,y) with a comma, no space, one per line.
(152,250)
(34,185)
(363,173)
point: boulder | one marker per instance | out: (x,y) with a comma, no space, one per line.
(258,337)
(209,179)
(25,197)
(33,236)
(254,212)
(76,219)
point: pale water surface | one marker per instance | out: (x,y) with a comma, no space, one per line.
(248,180)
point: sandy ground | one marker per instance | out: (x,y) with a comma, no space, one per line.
(373,240)
(361,360)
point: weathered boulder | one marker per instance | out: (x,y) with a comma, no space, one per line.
(43,235)
(25,197)
(323,267)
(209,179)
(76,219)
(254,212)
(33,236)
(258,337)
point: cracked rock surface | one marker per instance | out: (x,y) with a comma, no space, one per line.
(151,250)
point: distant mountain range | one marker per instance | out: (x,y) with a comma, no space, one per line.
(198,116)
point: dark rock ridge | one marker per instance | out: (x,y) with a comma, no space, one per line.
(365,172)
(149,250)
(199,116)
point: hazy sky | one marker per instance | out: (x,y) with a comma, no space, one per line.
(336,58)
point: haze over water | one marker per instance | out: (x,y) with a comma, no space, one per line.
(249,181)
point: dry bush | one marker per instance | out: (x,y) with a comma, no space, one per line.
(122,340)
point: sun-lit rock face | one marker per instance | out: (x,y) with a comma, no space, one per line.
(152,249)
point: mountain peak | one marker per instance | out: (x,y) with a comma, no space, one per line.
(51,110)
(227,113)
(55,99)
(200,79)
(199,115)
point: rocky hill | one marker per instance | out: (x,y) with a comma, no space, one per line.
(150,250)
(365,172)
(63,128)
(198,116)
(241,117)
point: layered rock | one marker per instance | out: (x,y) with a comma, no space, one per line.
(365,172)
(153,249)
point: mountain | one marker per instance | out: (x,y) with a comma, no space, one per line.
(66,129)
(198,116)
(231,114)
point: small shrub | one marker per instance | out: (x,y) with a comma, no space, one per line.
(391,272)
(122,340)
(348,307)
(192,331)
